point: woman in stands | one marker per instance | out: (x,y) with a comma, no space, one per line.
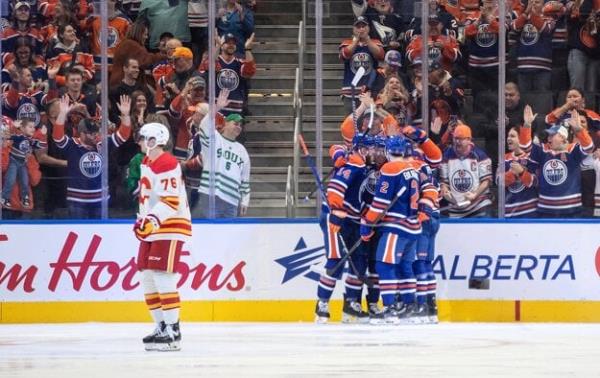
(68,53)
(23,57)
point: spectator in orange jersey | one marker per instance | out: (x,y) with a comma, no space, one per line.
(118,25)
(67,53)
(163,70)
(22,26)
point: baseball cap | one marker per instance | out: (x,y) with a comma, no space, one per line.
(20,4)
(393,58)
(229,37)
(197,82)
(234,117)
(558,128)
(462,131)
(183,52)
(360,20)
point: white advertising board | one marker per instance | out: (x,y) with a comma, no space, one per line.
(270,261)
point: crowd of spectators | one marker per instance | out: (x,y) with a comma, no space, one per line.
(157,72)
(551,69)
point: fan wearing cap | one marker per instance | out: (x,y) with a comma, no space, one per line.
(23,25)
(466,175)
(442,49)
(391,66)
(232,166)
(237,20)
(233,73)
(559,164)
(84,162)
(387,25)
(182,109)
(359,51)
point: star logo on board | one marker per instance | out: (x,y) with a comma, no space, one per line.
(301,260)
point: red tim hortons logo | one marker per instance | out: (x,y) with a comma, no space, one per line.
(598,261)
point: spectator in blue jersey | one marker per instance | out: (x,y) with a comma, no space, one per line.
(559,165)
(520,184)
(359,51)
(466,175)
(22,147)
(534,50)
(23,57)
(84,161)
(234,18)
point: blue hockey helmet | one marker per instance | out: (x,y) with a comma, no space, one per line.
(398,146)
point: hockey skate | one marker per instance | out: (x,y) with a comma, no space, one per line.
(169,339)
(387,315)
(353,313)
(432,311)
(376,315)
(421,314)
(406,314)
(322,312)
(150,340)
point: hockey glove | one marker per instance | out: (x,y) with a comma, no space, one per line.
(145,226)
(415,134)
(422,217)
(366,232)
(338,155)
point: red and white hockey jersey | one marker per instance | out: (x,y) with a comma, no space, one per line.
(163,198)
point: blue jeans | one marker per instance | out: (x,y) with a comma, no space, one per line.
(583,70)
(84,210)
(223,209)
(17,170)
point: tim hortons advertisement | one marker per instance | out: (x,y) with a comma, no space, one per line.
(96,262)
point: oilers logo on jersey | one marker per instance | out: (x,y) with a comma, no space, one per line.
(361,59)
(485,38)
(462,181)
(90,164)
(112,39)
(29,111)
(228,79)
(530,35)
(555,172)
(435,54)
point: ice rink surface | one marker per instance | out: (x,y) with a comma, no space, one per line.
(302,349)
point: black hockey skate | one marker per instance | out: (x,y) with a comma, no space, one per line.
(387,315)
(406,313)
(322,312)
(353,313)
(169,339)
(150,340)
(432,311)
(421,314)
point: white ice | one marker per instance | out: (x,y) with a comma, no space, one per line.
(299,349)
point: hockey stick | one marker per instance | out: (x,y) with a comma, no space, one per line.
(312,166)
(329,174)
(357,76)
(342,261)
(315,173)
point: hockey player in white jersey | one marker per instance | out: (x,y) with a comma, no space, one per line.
(162,226)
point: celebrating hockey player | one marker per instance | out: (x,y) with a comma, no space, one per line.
(395,206)
(343,197)
(162,226)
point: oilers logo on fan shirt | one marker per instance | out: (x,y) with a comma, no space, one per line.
(555,172)
(462,181)
(485,38)
(361,59)
(228,79)
(29,111)
(529,35)
(90,164)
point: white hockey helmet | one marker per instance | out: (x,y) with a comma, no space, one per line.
(156,131)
